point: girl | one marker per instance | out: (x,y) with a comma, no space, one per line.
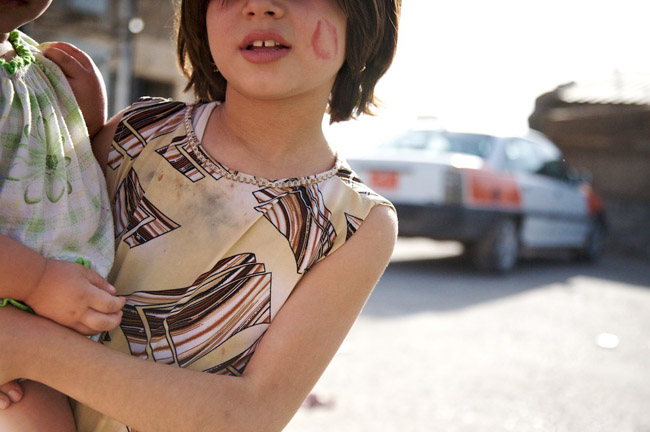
(245,247)
(54,208)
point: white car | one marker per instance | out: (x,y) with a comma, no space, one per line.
(499,196)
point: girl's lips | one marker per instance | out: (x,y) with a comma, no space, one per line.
(264,55)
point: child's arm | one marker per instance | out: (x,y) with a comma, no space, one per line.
(86,82)
(292,355)
(65,292)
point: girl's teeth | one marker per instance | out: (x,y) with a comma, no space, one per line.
(268,44)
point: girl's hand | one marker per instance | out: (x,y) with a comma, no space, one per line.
(10,392)
(12,336)
(76,297)
(86,82)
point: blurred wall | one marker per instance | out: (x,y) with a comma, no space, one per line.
(609,136)
(131,41)
(611,141)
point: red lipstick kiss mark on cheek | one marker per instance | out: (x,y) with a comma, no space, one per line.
(325,40)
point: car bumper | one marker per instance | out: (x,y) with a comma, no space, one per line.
(445,222)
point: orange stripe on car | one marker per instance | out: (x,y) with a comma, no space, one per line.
(384,179)
(490,189)
(594,202)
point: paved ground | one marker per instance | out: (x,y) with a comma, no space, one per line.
(555,346)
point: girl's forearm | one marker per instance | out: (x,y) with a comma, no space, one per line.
(144,395)
(21,269)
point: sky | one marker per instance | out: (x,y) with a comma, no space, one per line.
(479,64)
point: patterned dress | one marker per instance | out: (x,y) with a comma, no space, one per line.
(207,256)
(52,191)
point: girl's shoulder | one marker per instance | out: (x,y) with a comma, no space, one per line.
(131,130)
(149,116)
(154,108)
(352,181)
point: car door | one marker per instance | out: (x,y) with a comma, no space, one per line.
(555,211)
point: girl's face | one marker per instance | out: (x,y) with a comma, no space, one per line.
(277,48)
(14,13)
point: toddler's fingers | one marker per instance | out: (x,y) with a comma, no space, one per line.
(101,283)
(71,50)
(99,322)
(10,392)
(70,66)
(105,286)
(103,302)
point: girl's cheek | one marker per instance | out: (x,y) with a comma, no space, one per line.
(325,40)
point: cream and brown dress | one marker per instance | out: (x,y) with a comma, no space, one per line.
(207,256)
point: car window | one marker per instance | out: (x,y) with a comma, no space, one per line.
(474,144)
(521,157)
(436,142)
(536,158)
(412,140)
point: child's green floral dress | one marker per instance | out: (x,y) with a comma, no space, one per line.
(52,191)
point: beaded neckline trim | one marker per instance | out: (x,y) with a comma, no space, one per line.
(23,55)
(245,178)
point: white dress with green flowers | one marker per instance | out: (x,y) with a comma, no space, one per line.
(52,191)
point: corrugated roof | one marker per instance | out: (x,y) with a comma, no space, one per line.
(619,88)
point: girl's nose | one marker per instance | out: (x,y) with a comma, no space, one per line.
(262,8)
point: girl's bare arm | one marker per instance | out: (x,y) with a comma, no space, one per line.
(148,396)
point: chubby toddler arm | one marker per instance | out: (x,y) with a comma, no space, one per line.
(21,268)
(65,292)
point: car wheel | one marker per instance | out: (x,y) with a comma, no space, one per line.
(595,244)
(499,249)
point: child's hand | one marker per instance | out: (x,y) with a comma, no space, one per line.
(76,297)
(86,82)
(10,392)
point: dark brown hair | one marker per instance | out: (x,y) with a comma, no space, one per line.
(371,41)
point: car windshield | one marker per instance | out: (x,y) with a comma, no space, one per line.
(443,142)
